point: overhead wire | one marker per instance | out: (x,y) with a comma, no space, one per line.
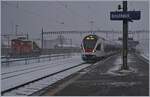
(72,11)
(39,15)
(30,13)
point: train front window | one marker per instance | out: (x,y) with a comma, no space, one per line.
(89,43)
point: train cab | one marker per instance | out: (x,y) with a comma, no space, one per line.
(91,47)
(96,48)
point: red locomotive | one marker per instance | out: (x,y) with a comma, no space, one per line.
(22,47)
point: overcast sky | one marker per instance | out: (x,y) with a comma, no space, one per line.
(31,16)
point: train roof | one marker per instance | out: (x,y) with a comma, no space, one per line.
(94,36)
(105,40)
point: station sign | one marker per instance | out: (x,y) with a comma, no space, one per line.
(129,15)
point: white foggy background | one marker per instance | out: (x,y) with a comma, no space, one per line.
(31,16)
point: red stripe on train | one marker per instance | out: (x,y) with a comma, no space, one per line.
(88,50)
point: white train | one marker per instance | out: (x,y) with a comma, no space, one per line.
(95,48)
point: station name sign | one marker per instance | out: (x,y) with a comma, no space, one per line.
(129,15)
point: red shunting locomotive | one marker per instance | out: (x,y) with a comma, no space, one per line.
(22,47)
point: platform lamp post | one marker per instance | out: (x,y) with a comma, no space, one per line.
(125,38)
(16,28)
(27,35)
(125,16)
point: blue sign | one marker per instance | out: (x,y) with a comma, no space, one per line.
(129,15)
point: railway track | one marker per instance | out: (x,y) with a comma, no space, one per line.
(39,84)
(26,70)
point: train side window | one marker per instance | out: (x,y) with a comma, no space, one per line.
(98,47)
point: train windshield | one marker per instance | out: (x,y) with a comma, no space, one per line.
(89,42)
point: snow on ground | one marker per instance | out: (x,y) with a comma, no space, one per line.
(44,83)
(116,69)
(54,66)
(119,60)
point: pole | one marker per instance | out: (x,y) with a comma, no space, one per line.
(71,42)
(125,38)
(27,35)
(42,40)
(16,29)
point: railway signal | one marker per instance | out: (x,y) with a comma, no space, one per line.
(126,16)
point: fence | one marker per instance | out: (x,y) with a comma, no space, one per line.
(23,61)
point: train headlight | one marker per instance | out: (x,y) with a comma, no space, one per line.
(93,51)
(87,38)
(92,38)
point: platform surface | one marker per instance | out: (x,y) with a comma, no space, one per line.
(105,79)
